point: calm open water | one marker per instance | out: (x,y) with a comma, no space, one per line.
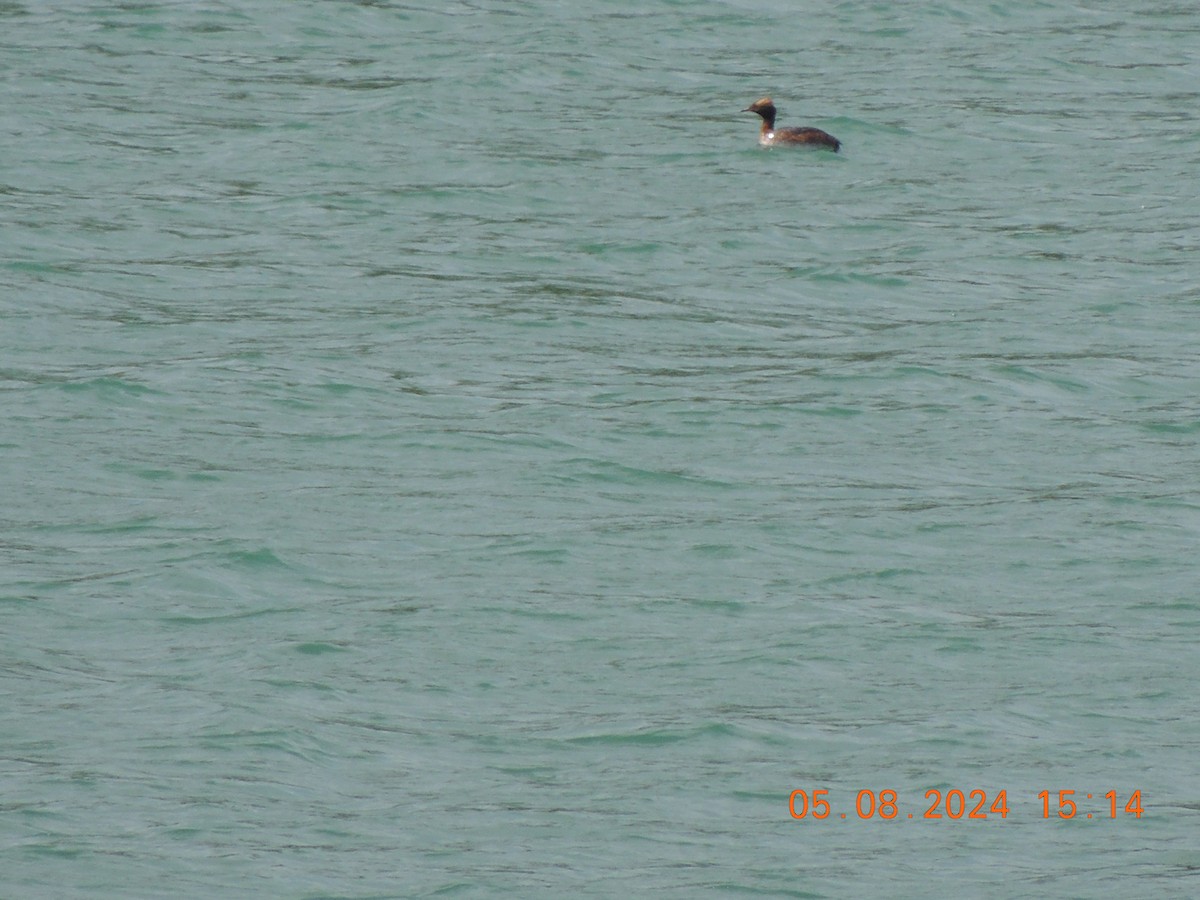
(442,454)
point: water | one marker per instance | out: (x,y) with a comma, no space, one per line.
(442,454)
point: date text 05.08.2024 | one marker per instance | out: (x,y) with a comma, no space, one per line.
(956,804)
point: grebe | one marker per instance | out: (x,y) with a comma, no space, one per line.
(813,137)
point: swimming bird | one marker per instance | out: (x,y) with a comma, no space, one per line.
(770,135)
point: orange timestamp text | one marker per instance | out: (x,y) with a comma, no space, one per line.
(970,805)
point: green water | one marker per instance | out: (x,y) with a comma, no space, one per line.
(442,454)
